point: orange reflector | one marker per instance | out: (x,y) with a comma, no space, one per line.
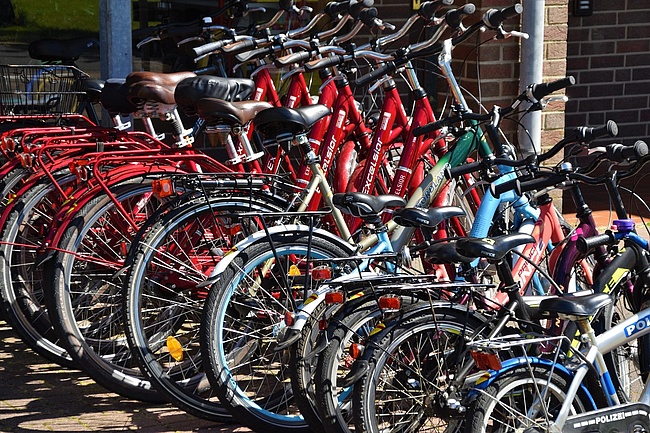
(162,187)
(289,318)
(26,159)
(175,348)
(356,350)
(390,303)
(321,273)
(294,271)
(8,144)
(486,361)
(335,297)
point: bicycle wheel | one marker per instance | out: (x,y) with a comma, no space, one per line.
(410,366)
(243,313)
(163,306)
(21,282)
(84,291)
(507,404)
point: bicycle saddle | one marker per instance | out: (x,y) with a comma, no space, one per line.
(283,120)
(153,86)
(93,89)
(572,305)
(492,248)
(239,113)
(65,50)
(414,217)
(365,205)
(445,252)
(191,90)
(114,97)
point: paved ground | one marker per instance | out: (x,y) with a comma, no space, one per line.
(36,396)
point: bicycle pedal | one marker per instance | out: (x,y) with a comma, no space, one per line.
(631,417)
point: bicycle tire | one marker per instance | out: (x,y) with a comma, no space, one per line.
(407,376)
(20,282)
(168,253)
(515,385)
(85,300)
(231,307)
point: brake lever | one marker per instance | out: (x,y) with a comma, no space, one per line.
(147,40)
(192,39)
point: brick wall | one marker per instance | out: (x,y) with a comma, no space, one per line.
(609,55)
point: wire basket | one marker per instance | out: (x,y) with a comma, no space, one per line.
(40,89)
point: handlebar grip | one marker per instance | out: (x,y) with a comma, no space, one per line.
(299,57)
(464,169)
(543,89)
(587,135)
(618,152)
(334,8)
(372,76)
(584,245)
(493,18)
(240,46)
(211,47)
(421,130)
(368,16)
(537,184)
(429,8)
(286,5)
(356,9)
(500,188)
(324,63)
(254,54)
(455,16)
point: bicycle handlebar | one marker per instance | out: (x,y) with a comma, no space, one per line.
(538,91)
(493,18)
(429,8)
(584,245)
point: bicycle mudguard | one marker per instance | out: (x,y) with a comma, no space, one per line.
(630,417)
(276,232)
(525,363)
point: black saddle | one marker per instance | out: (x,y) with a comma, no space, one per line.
(64,50)
(93,89)
(445,252)
(572,305)
(114,97)
(191,90)
(415,217)
(283,120)
(365,206)
(492,248)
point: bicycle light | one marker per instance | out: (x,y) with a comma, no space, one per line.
(320,273)
(390,303)
(334,297)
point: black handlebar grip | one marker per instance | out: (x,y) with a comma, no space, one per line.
(299,57)
(538,184)
(543,89)
(618,152)
(493,18)
(356,9)
(240,46)
(464,169)
(428,9)
(584,245)
(254,54)
(368,16)
(334,8)
(421,130)
(211,47)
(498,189)
(587,135)
(455,16)
(388,68)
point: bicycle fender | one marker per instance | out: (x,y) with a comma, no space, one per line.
(263,236)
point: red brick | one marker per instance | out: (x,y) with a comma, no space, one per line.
(639,16)
(577,63)
(637,88)
(595,104)
(554,68)
(607,33)
(641,74)
(634,32)
(633,46)
(623,74)
(597,76)
(553,120)
(556,32)
(624,116)
(632,60)
(637,4)
(596,91)
(599,48)
(573,119)
(606,61)
(557,15)
(556,50)
(596,118)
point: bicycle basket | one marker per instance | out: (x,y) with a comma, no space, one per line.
(40,89)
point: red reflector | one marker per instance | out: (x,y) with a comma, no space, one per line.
(486,361)
(288,318)
(162,187)
(321,273)
(8,144)
(322,324)
(334,297)
(356,350)
(390,303)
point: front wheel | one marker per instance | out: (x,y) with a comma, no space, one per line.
(513,403)
(244,313)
